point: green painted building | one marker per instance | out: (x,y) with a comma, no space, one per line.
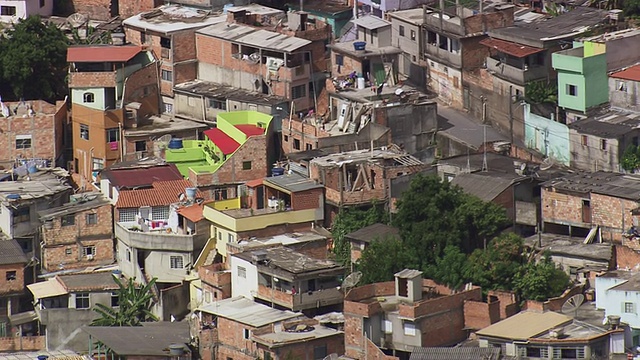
(219,144)
(582,79)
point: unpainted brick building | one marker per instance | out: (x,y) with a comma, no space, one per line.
(414,312)
(78,234)
(32,130)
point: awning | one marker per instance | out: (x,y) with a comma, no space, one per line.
(507,47)
(46,289)
(23,318)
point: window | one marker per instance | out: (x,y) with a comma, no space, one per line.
(127,255)
(309,147)
(585,140)
(113,135)
(572,90)
(413,35)
(84,131)
(167,75)
(141,145)
(621,86)
(230,238)
(387,326)
(409,328)
(89,251)
(23,141)
(97,163)
(339,59)
(401,30)
(246,334)
(168,108)
(7,10)
(21,215)
(68,220)
(246,165)
(143,37)
(127,214)
(68,251)
(88,97)
(242,272)
(160,213)
(603,144)
(286,138)
(115,299)
(219,235)
(299,91)
(82,300)
(42,3)
(176,262)
(11,275)
(217,104)
(629,308)
(296,144)
(91,219)
(165,42)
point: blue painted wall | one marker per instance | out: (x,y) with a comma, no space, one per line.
(547,136)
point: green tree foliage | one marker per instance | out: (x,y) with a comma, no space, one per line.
(33,61)
(541,280)
(498,266)
(541,92)
(630,160)
(350,220)
(382,258)
(134,306)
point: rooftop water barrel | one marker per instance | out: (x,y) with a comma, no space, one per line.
(359,45)
(175,143)
(277,171)
(191,193)
(32,169)
(176,349)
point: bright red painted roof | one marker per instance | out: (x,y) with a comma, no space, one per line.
(222,140)
(250,130)
(632,73)
(161,194)
(511,48)
(254,183)
(141,177)
(104,53)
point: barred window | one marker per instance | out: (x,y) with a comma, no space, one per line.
(128,214)
(177,262)
(160,213)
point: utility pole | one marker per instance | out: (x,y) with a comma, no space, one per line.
(484,148)
(511,113)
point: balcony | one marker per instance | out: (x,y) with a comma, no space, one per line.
(447,24)
(514,74)
(300,301)
(441,55)
(93,79)
(240,220)
(154,240)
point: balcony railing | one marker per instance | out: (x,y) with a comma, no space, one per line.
(515,74)
(154,240)
(441,55)
(240,220)
(301,301)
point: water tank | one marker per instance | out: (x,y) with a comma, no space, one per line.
(360,83)
(176,349)
(359,45)
(175,143)
(13,196)
(191,193)
(226,7)
(32,169)
(43,357)
(277,171)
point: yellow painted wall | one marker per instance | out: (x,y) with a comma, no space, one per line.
(227,204)
(593,48)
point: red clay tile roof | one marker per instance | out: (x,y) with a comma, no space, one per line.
(632,73)
(141,177)
(222,140)
(162,193)
(510,48)
(250,130)
(104,53)
(254,183)
(193,212)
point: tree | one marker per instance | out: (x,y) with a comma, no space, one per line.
(33,61)
(381,259)
(349,220)
(630,160)
(540,92)
(134,306)
(541,281)
(498,266)
(449,269)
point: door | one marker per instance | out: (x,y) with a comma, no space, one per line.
(379,73)
(260,197)
(586,211)
(311,285)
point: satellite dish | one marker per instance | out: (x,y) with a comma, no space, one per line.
(523,166)
(333,356)
(352,280)
(163,141)
(76,20)
(546,164)
(572,304)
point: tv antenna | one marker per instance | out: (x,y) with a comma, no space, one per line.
(351,281)
(572,304)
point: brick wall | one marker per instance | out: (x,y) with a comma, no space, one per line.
(129,8)
(92,79)
(304,350)
(64,244)
(508,303)
(207,340)
(349,65)
(626,257)
(478,314)
(562,207)
(142,87)
(215,280)
(309,199)
(480,23)
(254,150)
(230,336)
(22,343)
(314,249)
(11,286)
(94,9)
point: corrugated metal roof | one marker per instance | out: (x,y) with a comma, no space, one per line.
(250,130)
(524,325)
(150,339)
(631,73)
(102,53)
(141,176)
(223,141)
(458,353)
(47,289)
(510,48)
(11,252)
(373,232)
(259,38)
(89,282)
(247,312)
(486,188)
(162,193)
(292,182)
(371,22)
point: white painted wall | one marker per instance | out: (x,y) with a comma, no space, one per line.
(243,286)
(612,301)
(25,8)
(5,220)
